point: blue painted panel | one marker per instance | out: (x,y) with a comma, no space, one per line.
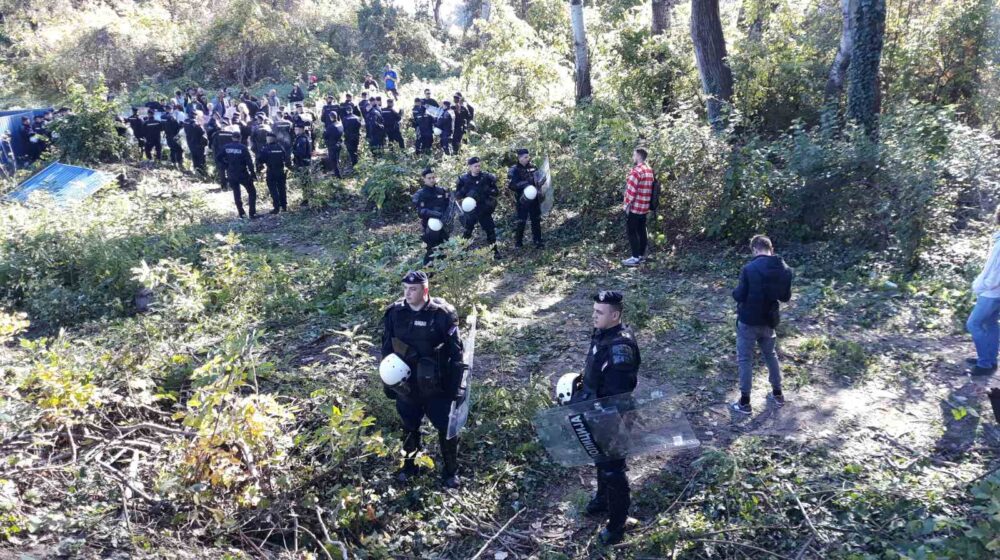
(66,184)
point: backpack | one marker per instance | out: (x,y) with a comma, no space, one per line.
(654,201)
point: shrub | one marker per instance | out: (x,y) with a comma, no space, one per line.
(88,133)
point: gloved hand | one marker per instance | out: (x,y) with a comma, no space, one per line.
(389,393)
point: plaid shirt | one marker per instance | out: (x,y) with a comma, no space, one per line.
(639,189)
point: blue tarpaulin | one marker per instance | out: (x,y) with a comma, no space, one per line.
(66,184)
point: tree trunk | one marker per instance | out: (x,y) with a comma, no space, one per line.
(582,77)
(863,92)
(484,10)
(710,52)
(759,10)
(437,12)
(661,15)
(838,70)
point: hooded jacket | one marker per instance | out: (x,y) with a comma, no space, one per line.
(764,281)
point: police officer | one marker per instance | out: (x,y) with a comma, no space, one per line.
(276,158)
(196,138)
(391,119)
(258,133)
(219,139)
(428,100)
(329,108)
(423,332)
(611,369)
(172,128)
(432,203)
(527,201)
(352,135)
(152,129)
(445,123)
(462,118)
(482,189)
(348,106)
(376,127)
(302,149)
(333,136)
(240,171)
(136,124)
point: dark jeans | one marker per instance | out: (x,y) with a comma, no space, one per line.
(635,226)
(247,182)
(529,209)
(747,337)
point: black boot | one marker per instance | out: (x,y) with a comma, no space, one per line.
(449,454)
(519,234)
(411,446)
(618,502)
(599,503)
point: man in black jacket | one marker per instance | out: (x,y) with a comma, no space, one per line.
(352,134)
(481,188)
(240,171)
(391,119)
(136,124)
(376,128)
(172,128)
(462,119)
(302,149)
(445,123)
(152,129)
(423,332)
(520,177)
(423,124)
(276,158)
(194,134)
(612,368)
(333,136)
(764,281)
(432,203)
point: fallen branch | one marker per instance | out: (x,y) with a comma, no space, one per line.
(744,545)
(498,533)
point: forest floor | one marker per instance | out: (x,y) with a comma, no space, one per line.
(878,407)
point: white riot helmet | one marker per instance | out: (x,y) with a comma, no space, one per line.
(468,204)
(530,192)
(393,370)
(567,385)
(435,224)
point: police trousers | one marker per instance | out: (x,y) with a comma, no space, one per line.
(529,209)
(277,187)
(485,220)
(613,489)
(247,182)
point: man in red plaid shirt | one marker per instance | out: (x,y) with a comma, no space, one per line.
(638,195)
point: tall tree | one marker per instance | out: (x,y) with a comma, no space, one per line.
(863,92)
(710,53)
(661,15)
(582,78)
(838,70)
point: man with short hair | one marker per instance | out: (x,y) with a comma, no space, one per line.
(275,157)
(297,95)
(764,281)
(352,135)
(172,129)
(194,135)
(390,78)
(432,203)
(611,368)
(638,195)
(240,171)
(423,125)
(428,100)
(482,189)
(462,119)
(521,176)
(392,118)
(152,129)
(302,150)
(423,332)
(445,123)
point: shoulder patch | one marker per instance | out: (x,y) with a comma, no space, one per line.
(622,355)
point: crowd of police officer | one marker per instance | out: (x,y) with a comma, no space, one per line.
(247,134)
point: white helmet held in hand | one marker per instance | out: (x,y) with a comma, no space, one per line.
(568,384)
(468,204)
(530,192)
(393,370)
(435,224)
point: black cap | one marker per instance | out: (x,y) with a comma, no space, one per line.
(608,296)
(298,104)
(522,152)
(473,160)
(427,171)
(415,277)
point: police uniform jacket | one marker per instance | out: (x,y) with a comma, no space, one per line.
(302,150)
(431,202)
(482,187)
(612,364)
(275,157)
(431,332)
(236,158)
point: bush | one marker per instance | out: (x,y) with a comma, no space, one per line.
(88,133)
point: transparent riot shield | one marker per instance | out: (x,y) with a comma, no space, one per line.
(543,179)
(647,420)
(434,111)
(459,413)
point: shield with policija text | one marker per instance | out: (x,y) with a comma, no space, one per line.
(543,181)
(459,413)
(647,420)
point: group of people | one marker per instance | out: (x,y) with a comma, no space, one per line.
(265,127)
(422,368)
(37,134)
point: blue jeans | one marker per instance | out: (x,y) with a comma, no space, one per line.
(747,337)
(984,326)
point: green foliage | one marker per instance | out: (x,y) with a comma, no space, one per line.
(388,184)
(88,133)
(460,273)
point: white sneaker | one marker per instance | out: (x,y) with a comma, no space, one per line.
(632,261)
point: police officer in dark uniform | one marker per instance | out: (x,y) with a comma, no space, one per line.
(239,171)
(432,203)
(329,108)
(445,124)
(612,366)
(423,332)
(376,128)
(333,136)
(481,187)
(391,118)
(172,128)
(219,139)
(423,124)
(520,177)
(462,118)
(152,129)
(276,158)
(352,134)
(348,106)
(197,141)
(302,149)
(136,124)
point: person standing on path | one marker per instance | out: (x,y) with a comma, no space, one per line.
(764,281)
(984,321)
(638,195)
